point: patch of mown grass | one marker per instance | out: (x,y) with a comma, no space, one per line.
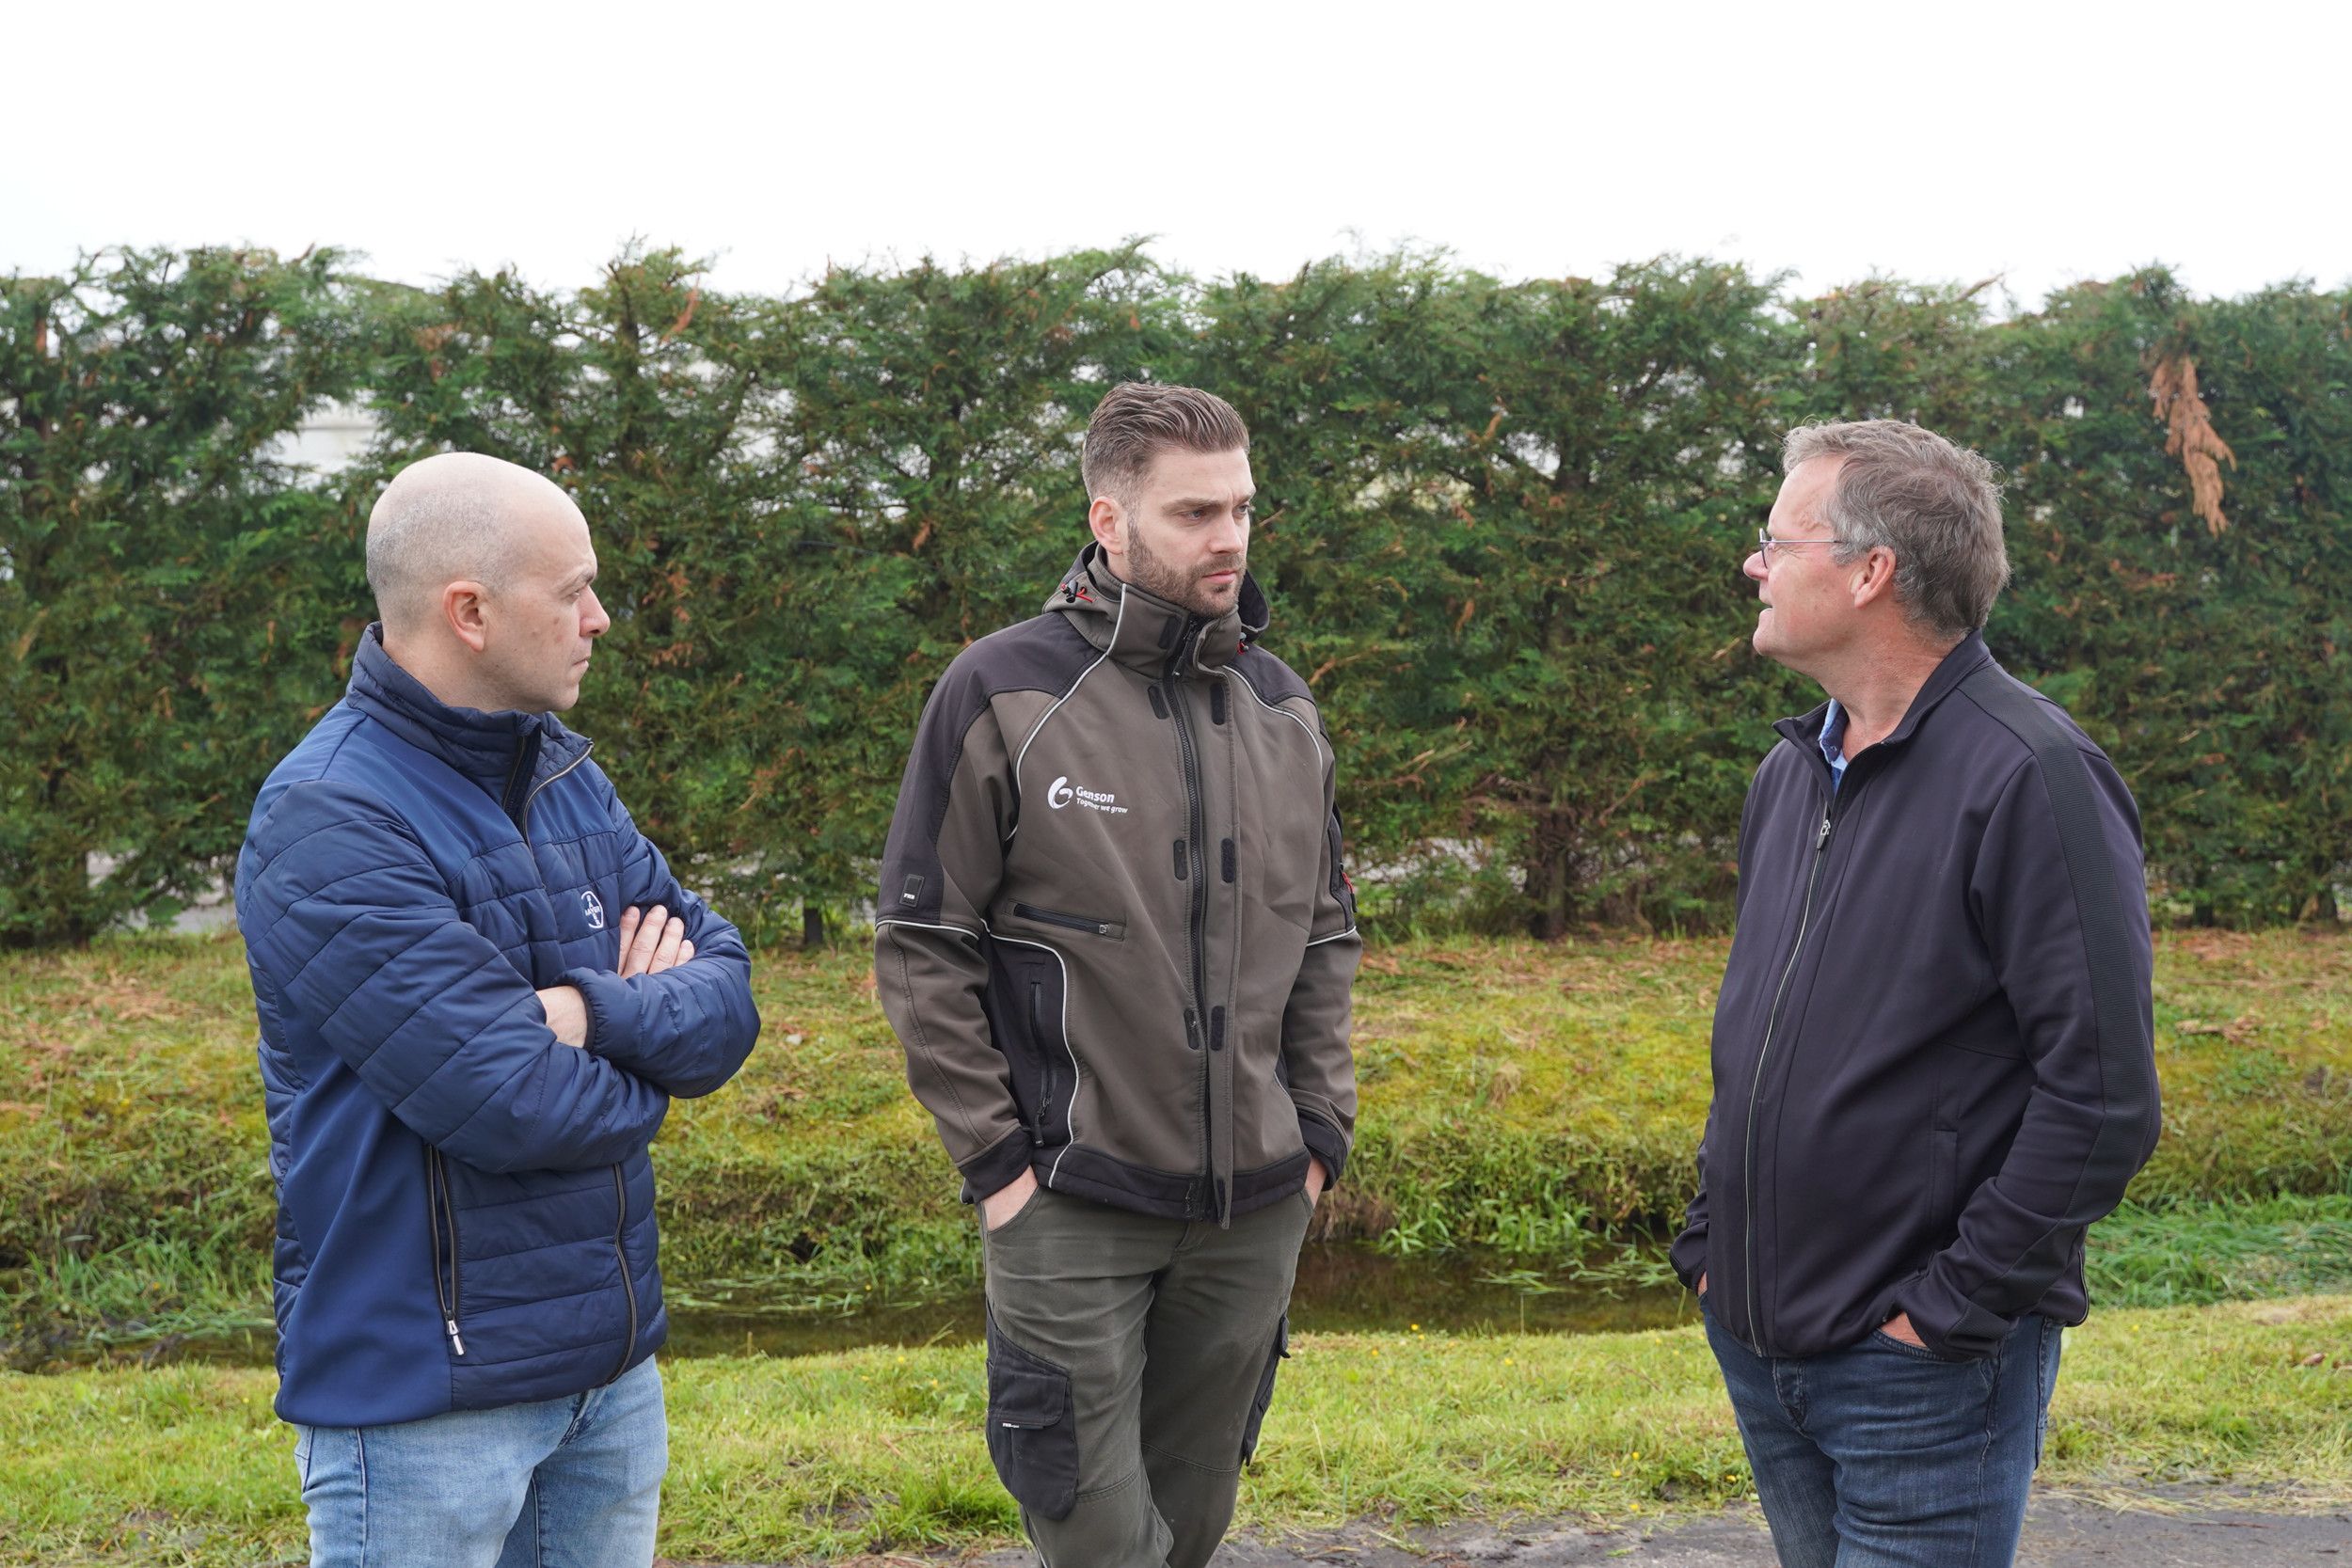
(1539,1101)
(880,1448)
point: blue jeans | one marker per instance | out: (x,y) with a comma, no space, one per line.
(1884,1455)
(573,1482)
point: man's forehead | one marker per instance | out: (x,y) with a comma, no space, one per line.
(555,536)
(1806,487)
(1206,475)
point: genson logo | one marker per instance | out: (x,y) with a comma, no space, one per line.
(1062,792)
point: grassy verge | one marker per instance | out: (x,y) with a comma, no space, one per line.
(1539,1101)
(880,1448)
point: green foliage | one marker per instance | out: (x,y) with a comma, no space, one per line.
(2195,1253)
(1502,526)
(175,604)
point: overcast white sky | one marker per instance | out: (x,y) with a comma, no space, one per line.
(2049,142)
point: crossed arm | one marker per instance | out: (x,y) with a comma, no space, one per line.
(351,928)
(649,946)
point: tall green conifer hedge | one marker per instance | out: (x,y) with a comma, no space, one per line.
(1501,525)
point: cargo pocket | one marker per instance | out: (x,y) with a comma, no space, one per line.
(1265,1397)
(1032,1427)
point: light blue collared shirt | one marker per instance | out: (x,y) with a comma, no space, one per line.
(1834,744)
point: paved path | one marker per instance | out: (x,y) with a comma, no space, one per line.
(2060,1532)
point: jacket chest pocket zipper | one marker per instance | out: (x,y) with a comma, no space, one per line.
(1068,922)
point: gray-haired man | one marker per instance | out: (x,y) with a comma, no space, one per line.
(1933,1060)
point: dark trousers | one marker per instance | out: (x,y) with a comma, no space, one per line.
(1130,1360)
(1884,1455)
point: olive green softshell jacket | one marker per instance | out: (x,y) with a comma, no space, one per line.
(1114,933)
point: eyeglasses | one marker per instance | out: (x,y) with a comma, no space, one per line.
(1765,545)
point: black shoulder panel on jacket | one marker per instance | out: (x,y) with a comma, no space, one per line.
(1044,652)
(1274,681)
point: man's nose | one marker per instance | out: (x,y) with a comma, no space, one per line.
(593,622)
(1227,537)
(1753,566)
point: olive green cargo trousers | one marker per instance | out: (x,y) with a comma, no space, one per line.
(1130,1361)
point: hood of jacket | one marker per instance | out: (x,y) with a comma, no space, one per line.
(1143,631)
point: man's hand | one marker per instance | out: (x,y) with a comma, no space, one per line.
(1317,1179)
(653,943)
(1899,1328)
(1702,1282)
(1005,1201)
(568,1014)
(648,946)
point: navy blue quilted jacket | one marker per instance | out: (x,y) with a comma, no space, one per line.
(465,1204)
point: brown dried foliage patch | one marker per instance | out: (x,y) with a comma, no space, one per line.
(2189,436)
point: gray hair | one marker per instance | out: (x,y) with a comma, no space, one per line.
(440,520)
(1935,505)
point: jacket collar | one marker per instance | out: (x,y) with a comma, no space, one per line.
(1967,658)
(1145,631)
(482,746)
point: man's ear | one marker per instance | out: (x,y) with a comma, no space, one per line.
(464,607)
(1874,577)
(1109,522)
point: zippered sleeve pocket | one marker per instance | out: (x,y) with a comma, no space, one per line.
(1115,929)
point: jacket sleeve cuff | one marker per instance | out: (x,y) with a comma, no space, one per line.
(1689,1256)
(1326,1143)
(997,1166)
(611,1011)
(1949,1323)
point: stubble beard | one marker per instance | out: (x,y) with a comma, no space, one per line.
(1163,579)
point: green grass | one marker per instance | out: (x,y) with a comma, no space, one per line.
(1540,1101)
(881,1448)
(2194,1253)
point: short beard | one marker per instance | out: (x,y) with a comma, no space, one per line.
(1164,581)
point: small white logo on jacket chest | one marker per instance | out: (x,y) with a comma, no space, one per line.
(1062,792)
(593,907)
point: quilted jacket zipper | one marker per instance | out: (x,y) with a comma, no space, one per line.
(447,1277)
(629,1286)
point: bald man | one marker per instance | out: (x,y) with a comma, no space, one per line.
(479,988)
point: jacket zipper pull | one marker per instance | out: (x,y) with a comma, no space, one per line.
(1823,836)
(450,1323)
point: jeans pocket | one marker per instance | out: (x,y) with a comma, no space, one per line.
(1885,1340)
(1263,1399)
(1032,1427)
(302,1455)
(1028,1206)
